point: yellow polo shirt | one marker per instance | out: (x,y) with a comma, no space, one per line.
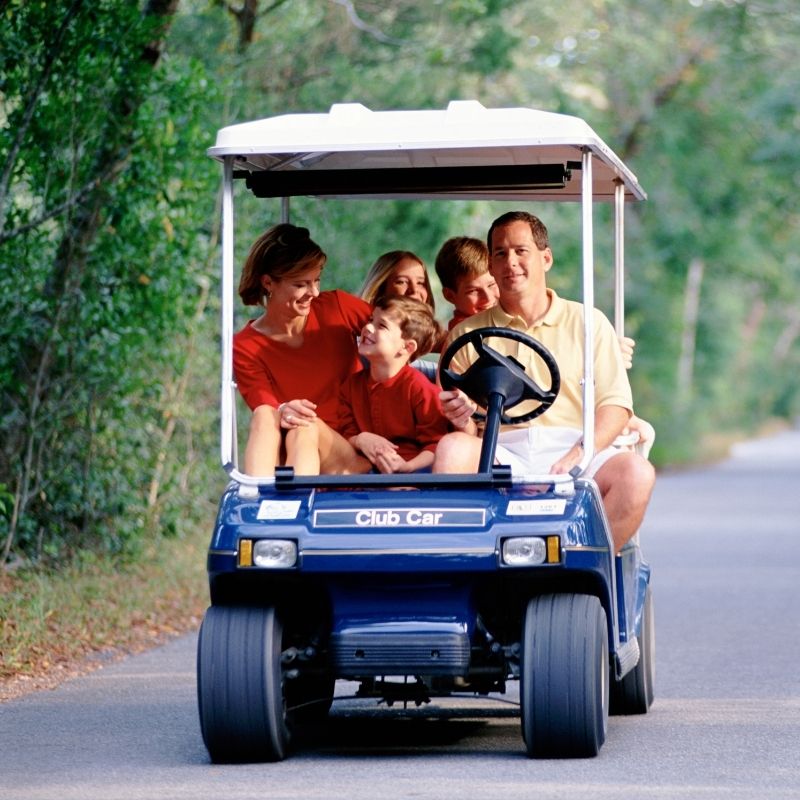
(561,332)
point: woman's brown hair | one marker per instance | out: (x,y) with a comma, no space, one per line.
(281,252)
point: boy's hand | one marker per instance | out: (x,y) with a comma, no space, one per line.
(389,463)
(379,450)
(400,467)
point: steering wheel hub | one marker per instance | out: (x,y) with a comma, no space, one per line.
(494,375)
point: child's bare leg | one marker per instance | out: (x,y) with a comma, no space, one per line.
(337,456)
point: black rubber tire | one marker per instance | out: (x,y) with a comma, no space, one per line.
(635,692)
(240,687)
(564,676)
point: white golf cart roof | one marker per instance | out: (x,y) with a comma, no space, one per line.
(510,154)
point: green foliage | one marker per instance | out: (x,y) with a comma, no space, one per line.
(6,501)
(105,216)
(108,385)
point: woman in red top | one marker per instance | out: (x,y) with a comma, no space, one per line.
(290,361)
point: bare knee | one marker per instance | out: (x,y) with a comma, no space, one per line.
(640,477)
(265,419)
(630,474)
(303,436)
(302,449)
(457,452)
(263,442)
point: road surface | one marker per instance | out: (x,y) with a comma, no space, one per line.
(724,544)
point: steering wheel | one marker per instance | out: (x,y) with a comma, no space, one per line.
(494,374)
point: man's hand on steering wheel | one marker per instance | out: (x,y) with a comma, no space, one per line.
(458,409)
(493,374)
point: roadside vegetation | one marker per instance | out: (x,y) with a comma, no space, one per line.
(57,623)
(108,245)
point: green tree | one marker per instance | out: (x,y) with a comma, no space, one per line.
(100,227)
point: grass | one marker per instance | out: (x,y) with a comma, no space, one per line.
(55,624)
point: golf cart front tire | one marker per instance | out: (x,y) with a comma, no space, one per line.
(564,676)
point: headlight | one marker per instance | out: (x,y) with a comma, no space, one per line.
(274,553)
(524,551)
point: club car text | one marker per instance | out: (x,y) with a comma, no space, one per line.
(400,517)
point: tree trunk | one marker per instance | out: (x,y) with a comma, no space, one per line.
(246,16)
(790,334)
(750,330)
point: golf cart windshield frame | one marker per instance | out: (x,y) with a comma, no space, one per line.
(467,152)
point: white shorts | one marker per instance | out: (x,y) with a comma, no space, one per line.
(534,450)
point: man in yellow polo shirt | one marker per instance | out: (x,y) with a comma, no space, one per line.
(520,258)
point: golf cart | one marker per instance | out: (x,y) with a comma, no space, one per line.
(460,583)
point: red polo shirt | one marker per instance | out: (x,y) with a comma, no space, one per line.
(405,410)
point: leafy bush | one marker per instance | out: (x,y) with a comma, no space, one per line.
(105,219)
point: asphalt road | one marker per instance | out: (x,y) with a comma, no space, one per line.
(724,544)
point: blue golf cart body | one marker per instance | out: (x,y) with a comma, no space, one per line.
(421,586)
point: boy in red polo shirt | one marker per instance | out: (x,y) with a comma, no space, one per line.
(391,412)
